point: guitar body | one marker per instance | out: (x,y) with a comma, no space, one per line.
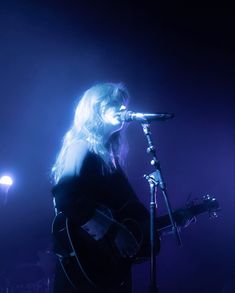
(98,263)
(86,261)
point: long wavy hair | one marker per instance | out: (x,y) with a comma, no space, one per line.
(88,126)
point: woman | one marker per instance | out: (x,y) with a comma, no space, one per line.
(93,194)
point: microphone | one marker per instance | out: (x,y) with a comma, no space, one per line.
(129,116)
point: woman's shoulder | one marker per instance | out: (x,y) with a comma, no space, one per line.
(74,158)
(80,160)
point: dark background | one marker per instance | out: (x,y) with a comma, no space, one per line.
(174,57)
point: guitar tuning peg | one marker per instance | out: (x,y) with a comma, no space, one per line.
(213,215)
(207,197)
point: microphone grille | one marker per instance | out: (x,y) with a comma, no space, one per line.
(125,116)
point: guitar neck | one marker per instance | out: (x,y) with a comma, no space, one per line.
(163,222)
(181,216)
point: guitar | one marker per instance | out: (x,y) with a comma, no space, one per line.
(187,215)
(98,263)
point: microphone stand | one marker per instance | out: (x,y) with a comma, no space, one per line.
(154,179)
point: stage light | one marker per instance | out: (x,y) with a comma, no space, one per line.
(6,180)
(5,184)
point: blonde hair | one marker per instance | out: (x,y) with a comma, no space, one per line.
(89,126)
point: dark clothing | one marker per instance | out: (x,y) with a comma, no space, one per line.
(62,285)
(78,197)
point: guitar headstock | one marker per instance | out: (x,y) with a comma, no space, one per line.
(206,204)
(212,204)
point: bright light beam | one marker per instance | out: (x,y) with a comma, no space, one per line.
(6,180)
(5,184)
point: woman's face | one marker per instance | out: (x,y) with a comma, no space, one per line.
(111,116)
